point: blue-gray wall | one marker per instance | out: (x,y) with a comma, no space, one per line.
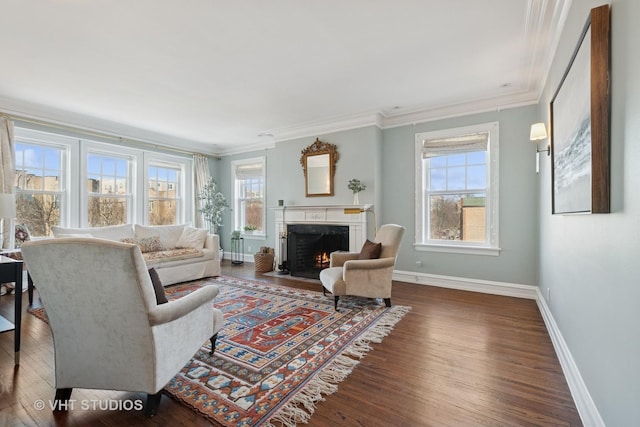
(384,161)
(588,262)
(359,151)
(517,262)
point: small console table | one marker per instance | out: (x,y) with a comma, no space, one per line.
(11,271)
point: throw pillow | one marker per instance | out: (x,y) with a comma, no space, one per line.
(21,235)
(146,244)
(370,250)
(161,298)
(192,238)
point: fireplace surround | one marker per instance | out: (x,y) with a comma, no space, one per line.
(332,215)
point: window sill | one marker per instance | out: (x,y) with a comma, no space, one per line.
(458,249)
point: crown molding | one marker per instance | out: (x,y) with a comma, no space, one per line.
(321,127)
(88,126)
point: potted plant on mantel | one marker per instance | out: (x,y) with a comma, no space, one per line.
(212,205)
(356,186)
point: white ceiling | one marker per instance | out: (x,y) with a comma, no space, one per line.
(226,76)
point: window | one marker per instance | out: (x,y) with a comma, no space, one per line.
(109,189)
(163,198)
(62,180)
(249,196)
(457,197)
(40,185)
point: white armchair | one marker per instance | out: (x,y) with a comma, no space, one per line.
(369,278)
(108,330)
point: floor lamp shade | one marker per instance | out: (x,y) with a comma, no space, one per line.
(7,206)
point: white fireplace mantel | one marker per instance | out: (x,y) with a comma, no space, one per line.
(323,214)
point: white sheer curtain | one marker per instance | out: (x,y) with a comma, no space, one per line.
(202,176)
(7,178)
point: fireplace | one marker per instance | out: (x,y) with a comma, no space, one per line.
(309,246)
(326,215)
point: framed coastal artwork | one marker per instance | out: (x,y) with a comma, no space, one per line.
(580,115)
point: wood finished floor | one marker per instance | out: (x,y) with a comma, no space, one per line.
(457,359)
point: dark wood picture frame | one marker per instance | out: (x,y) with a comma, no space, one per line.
(580,120)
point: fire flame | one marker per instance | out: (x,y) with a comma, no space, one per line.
(322,260)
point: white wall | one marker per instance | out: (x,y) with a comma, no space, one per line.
(589,262)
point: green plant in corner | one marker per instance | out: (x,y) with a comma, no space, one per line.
(212,205)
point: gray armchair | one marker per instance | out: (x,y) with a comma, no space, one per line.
(370,278)
(108,330)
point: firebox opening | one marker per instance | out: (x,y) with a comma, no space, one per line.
(309,247)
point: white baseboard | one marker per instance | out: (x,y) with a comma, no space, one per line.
(584,403)
(581,397)
(464,284)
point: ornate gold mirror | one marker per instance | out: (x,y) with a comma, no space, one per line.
(319,164)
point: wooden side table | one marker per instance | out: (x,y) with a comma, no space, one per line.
(11,271)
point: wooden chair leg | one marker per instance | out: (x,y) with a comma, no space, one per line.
(324,291)
(153,404)
(387,302)
(336,298)
(62,397)
(213,343)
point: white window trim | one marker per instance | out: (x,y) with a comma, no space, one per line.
(186,213)
(115,151)
(70,147)
(486,248)
(236,226)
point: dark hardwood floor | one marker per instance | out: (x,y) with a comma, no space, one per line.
(457,359)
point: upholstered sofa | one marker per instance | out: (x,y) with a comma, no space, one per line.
(179,253)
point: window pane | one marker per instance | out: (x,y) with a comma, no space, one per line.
(108,185)
(105,211)
(53,159)
(438,162)
(458,217)
(253,215)
(456,178)
(51,180)
(476,177)
(456,159)
(39,212)
(477,157)
(163,194)
(162,212)
(438,179)
(121,168)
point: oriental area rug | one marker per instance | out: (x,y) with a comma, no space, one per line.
(280,352)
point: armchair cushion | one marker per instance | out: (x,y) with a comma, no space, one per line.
(161,298)
(370,250)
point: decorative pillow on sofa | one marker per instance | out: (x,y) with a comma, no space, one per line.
(192,238)
(169,234)
(370,250)
(21,235)
(161,298)
(146,244)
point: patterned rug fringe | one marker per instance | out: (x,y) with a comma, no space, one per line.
(303,405)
